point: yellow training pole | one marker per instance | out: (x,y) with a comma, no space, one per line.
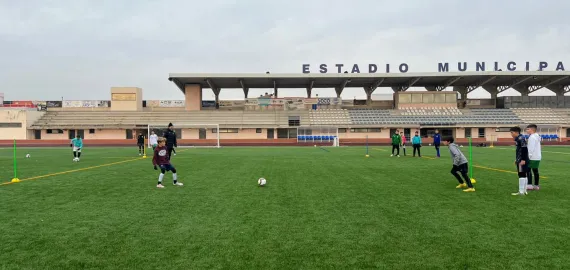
(144,149)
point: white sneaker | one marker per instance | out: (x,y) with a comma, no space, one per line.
(175,154)
(178,184)
(519,194)
(77,159)
(398,155)
(159,186)
(391,155)
(139,154)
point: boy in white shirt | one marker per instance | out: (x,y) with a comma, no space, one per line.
(153,140)
(535,155)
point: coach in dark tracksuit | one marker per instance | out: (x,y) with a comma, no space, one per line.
(170,137)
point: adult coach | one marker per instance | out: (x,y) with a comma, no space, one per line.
(437,141)
(170,137)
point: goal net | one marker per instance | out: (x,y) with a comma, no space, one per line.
(318,134)
(190,135)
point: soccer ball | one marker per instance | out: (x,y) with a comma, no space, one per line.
(27,155)
(261,182)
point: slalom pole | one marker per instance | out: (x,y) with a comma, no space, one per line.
(471,161)
(367,155)
(15,179)
(144,150)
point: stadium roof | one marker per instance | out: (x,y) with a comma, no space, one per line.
(534,80)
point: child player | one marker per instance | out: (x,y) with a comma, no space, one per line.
(140,143)
(521,159)
(417,144)
(162,160)
(396,142)
(437,141)
(153,140)
(76,144)
(534,155)
(459,165)
(403,142)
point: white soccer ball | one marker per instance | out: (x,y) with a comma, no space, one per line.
(430,144)
(28,156)
(261,182)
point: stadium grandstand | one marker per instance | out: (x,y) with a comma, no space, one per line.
(276,120)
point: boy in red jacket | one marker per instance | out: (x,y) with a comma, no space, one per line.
(162,160)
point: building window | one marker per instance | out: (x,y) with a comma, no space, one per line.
(365,130)
(10,125)
(258,130)
(481,132)
(468,132)
(54,131)
(342,130)
(91,131)
(294,121)
(286,133)
(226,130)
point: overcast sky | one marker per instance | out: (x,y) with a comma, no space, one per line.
(78,49)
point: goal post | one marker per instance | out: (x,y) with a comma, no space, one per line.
(190,135)
(318,134)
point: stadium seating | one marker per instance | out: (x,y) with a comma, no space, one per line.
(431,111)
(539,116)
(330,117)
(241,119)
(417,117)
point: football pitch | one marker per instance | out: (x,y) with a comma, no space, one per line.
(332,209)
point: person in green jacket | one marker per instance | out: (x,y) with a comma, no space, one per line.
(417,144)
(396,142)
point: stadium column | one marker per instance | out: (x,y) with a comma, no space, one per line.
(275,92)
(217,94)
(193,97)
(340,88)
(369,90)
(523,89)
(557,89)
(310,88)
(462,90)
(244,87)
(493,90)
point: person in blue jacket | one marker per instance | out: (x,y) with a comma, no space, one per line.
(417,144)
(437,141)
(77,145)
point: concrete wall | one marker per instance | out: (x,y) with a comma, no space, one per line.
(25,117)
(193,97)
(126,99)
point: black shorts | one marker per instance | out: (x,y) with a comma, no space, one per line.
(463,168)
(523,168)
(140,144)
(167,167)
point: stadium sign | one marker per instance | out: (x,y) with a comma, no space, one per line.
(441,67)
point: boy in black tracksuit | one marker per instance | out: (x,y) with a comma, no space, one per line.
(170,137)
(140,143)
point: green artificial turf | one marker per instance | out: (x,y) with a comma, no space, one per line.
(330,209)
